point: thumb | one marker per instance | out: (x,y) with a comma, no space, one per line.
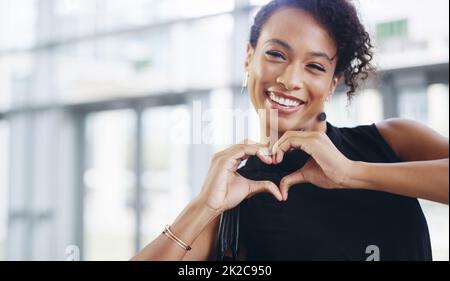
(290,180)
(264,186)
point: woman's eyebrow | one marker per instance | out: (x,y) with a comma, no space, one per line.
(290,49)
(320,54)
(280,42)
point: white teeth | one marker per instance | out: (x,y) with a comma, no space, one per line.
(283,101)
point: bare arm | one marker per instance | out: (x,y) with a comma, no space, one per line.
(223,189)
(189,225)
(424,174)
(204,247)
(420,179)
(413,141)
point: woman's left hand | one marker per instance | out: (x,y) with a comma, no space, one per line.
(326,168)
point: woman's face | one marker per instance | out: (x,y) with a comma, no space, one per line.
(292,69)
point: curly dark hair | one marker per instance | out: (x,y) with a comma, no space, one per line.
(339,17)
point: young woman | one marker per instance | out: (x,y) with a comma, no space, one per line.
(315,191)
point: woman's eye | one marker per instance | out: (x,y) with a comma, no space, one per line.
(317,67)
(275,54)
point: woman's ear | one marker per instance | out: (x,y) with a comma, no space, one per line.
(249,56)
(334,83)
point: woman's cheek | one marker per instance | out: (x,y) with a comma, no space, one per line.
(263,76)
(252,90)
(268,71)
(318,88)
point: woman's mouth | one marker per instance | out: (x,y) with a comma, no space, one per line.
(283,104)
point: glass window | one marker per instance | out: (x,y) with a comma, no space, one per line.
(259,2)
(17,23)
(438,225)
(365,108)
(203,61)
(338,113)
(109,68)
(109,228)
(15,80)
(219,117)
(392,29)
(437,214)
(194,8)
(413,104)
(89,16)
(146,62)
(438,108)
(77,18)
(165,178)
(4,183)
(369,104)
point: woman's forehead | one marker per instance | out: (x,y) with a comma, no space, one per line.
(299,29)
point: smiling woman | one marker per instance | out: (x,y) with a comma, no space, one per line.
(355,190)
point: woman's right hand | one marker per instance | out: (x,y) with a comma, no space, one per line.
(224,188)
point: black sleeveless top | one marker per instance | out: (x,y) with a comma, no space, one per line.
(326,224)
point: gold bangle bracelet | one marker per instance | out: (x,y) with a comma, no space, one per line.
(174,238)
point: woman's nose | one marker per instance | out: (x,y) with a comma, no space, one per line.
(291,78)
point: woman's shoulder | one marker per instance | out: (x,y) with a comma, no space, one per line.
(359,133)
(409,140)
(386,129)
(412,140)
(367,138)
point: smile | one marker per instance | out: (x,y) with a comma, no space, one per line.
(283,103)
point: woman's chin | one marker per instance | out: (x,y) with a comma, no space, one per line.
(287,125)
(282,128)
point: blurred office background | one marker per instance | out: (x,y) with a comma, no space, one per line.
(90,91)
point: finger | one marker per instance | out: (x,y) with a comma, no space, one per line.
(263,153)
(265,143)
(278,157)
(288,181)
(277,143)
(244,143)
(301,140)
(248,141)
(243,151)
(264,186)
(303,135)
(282,148)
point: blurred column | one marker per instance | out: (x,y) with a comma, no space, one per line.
(42,198)
(412,95)
(438,108)
(389,93)
(199,152)
(241,31)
